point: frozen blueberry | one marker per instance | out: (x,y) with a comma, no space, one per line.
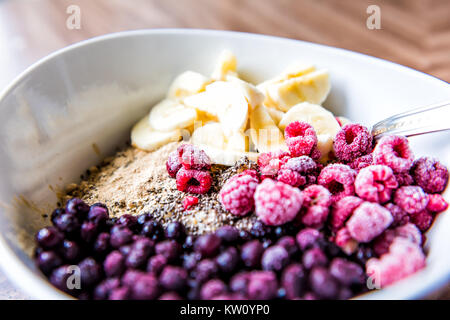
(322,283)
(90,272)
(293,280)
(67,222)
(156,264)
(189,242)
(47,261)
(228,260)
(251,253)
(70,250)
(152,229)
(170,249)
(139,253)
(60,276)
(98,215)
(346,272)
(275,258)
(175,231)
(114,264)
(120,235)
(260,230)
(77,207)
(239,282)
(228,234)
(127,220)
(190,260)
(88,231)
(121,293)
(212,288)
(207,245)
(49,237)
(102,290)
(314,257)
(101,244)
(173,278)
(289,244)
(56,214)
(206,269)
(145,288)
(262,285)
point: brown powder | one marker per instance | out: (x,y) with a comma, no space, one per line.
(136,182)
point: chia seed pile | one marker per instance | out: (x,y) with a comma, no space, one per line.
(168,225)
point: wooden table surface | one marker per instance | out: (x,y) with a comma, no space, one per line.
(415,33)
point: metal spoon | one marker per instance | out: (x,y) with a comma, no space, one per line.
(418,121)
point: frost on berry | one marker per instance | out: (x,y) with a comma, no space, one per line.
(403,259)
(316,203)
(400,216)
(352,141)
(270,162)
(394,152)
(339,180)
(368,221)
(422,220)
(436,203)
(412,199)
(342,210)
(345,241)
(408,231)
(430,174)
(375,183)
(173,164)
(299,171)
(237,193)
(192,157)
(404,179)
(361,162)
(301,138)
(277,203)
(193,181)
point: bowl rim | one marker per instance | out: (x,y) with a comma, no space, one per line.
(16,270)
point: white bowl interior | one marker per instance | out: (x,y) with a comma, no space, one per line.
(60,112)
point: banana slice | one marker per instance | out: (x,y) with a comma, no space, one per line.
(297,69)
(187,84)
(312,87)
(169,115)
(210,134)
(275,114)
(226,157)
(226,65)
(237,142)
(145,138)
(253,95)
(264,133)
(322,120)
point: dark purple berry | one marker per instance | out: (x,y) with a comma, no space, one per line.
(205,270)
(131,276)
(170,296)
(101,244)
(102,291)
(145,288)
(228,260)
(207,245)
(275,258)
(313,258)
(189,242)
(67,223)
(70,250)
(98,215)
(251,253)
(262,285)
(239,282)
(60,278)
(90,272)
(244,236)
(156,264)
(114,264)
(139,253)
(212,288)
(346,272)
(47,261)
(49,237)
(121,293)
(77,207)
(143,218)
(260,230)
(88,231)
(127,220)
(307,238)
(190,260)
(170,249)
(293,280)
(322,283)
(120,235)
(175,231)
(125,250)
(152,229)
(289,244)
(57,213)
(173,278)
(228,234)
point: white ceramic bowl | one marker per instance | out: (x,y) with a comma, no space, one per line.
(92,92)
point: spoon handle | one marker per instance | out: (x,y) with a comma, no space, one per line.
(418,121)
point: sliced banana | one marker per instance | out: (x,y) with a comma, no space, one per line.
(296,69)
(146,138)
(226,157)
(312,87)
(264,133)
(210,134)
(226,65)
(187,84)
(169,115)
(322,120)
(237,142)
(253,95)
(275,114)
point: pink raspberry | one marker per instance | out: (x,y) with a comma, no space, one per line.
(270,162)
(382,243)
(352,141)
(345,241)
(301,138)
(237,193)
(408,231)
(276,202)
(342,210)
(375,183)
(316,203)
(173,164)
(193,181)
(411,232)
(400,216)
(422,220)
(361,162)
(403,259)
(394,152)
(430,174)
(189,202)
(368,221)
(339,180)
(436,203)
(412,199)
(193,158)
(298,171)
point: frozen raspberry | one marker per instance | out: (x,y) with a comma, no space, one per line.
(408,231)
(237,193)
(361,162)
(301,138)
(412,199)
(400,216)
(193,181)
(339,180)
(368,221)
(436,203)
(352,141)
(270,162)
(422,220)
(298,171)
(189,202)
(404,179)
(394,152)
(316,203)
(345,241)
(173,164)
(411,232)
(382,243)
(430,174)
(375,183)
(342,210)
(276,202)
(191,157)
(403,259)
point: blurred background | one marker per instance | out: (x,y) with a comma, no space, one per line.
(415,33)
